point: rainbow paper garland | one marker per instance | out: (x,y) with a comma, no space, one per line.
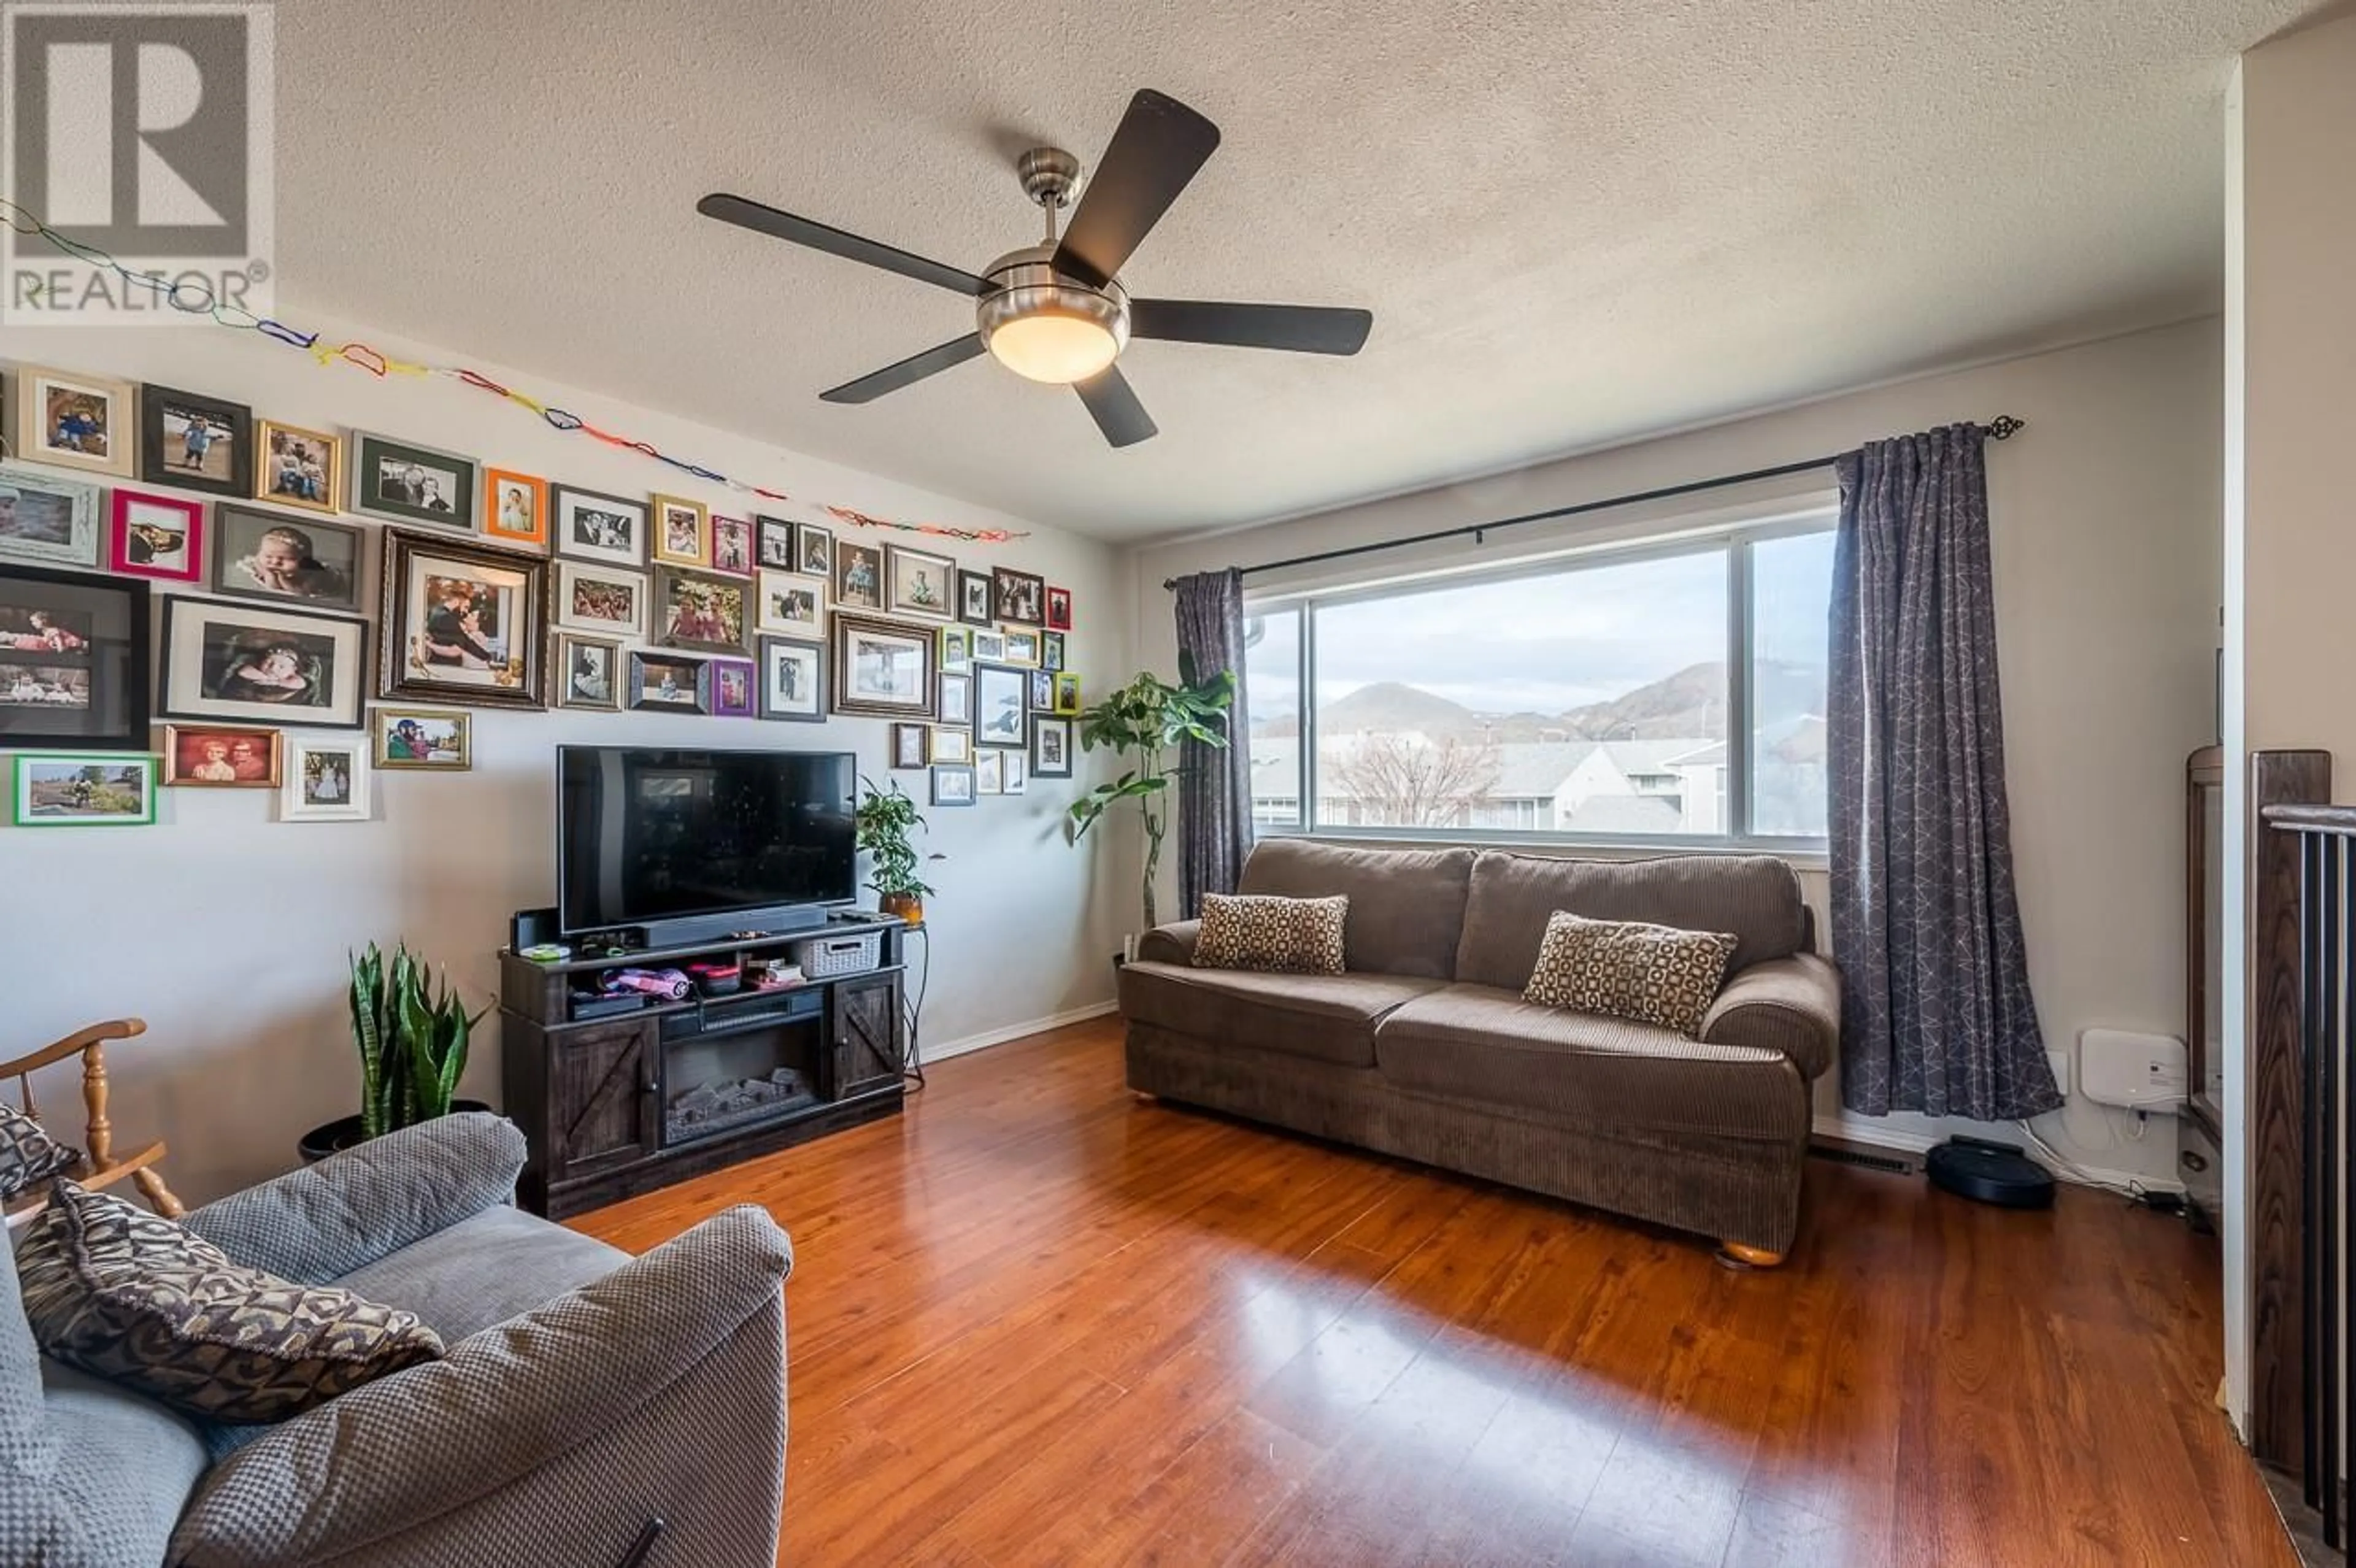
(199,300)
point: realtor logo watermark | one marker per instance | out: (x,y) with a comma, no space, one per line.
(143,131)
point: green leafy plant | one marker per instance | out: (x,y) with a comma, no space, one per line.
(411,1032)
(1145,721)
(886,819)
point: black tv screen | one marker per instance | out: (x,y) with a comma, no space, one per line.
(648,834)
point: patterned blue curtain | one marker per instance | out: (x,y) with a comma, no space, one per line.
(1935,1008)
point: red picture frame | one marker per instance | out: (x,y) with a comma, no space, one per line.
(1059,609)
(142,531)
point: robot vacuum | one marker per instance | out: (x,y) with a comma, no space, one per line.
(1986,1172)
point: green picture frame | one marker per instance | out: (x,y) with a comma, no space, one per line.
(82,789)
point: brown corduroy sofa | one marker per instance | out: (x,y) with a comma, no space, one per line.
(1425,1048)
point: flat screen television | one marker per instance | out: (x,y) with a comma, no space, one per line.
(686,842)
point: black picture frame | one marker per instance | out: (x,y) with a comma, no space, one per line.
(108,616)
(1051,650)
(1043,691)
(767,706)
(1045,723)
(772,544)
(1020,597)
(183,678)
(645,661)
(1001,688)
(973,599)
(907,737)
(155,464)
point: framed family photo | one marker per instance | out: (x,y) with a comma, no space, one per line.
(306,560)
(951,743)
(297,467)
(263,664)
(515,509)
(956,650)
(989,772)
(588,673)
(814,551)
(669,683)
(956,699)
(699,610)
(1067,695)
(882,668)
(731,688)
(953,784)
(424,737)
(790,604)
(1059,609)
(327,779)
(683,533)
(911,746)
(599,601)
(922,584)
(1051,650)
(462,624)
(1051,747)
(588,526)
(793,681)
(73,661)
(194,442)
(47,521)
(221,756)
(82,791)
(90,423)
(1019,645)
(773,543)
(156,536)
(403,482)
(1018,596)
(858,577)
(973,598)
(731,544)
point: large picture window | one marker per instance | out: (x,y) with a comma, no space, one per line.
(1591,698)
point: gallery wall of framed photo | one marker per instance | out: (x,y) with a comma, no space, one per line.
(318,635)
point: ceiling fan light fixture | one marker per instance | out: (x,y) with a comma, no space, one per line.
(1053,347)
(1046,327)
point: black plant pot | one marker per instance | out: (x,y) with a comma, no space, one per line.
(344,1132)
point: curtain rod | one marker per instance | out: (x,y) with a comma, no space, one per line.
(2001,427)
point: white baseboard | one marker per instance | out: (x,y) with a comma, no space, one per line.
(989,1038)
(1919,1143)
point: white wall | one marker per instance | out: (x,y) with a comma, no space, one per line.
(2106,528)
(226,931)
(2290,536)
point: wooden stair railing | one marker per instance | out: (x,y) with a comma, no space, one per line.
(103,1168)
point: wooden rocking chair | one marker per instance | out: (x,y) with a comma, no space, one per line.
(100,1167)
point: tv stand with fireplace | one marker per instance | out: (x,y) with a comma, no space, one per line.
(613,1104)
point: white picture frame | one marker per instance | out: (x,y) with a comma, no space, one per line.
(569,612)
(62,527)
(327,779)
(789,605)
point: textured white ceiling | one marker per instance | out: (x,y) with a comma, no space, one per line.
(1574,221)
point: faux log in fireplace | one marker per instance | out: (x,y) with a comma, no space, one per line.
(614,1104)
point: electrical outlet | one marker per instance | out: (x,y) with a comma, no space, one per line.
(2060,1061)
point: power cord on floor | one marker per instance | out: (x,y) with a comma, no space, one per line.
(2133,1191)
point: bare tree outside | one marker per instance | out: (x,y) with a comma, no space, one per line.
(1406,781)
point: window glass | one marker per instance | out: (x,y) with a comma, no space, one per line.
(1791,602)
(1273,708)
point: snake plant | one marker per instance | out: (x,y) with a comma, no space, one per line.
(412,1035)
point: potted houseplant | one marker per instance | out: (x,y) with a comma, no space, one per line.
(1145,721)
(885,819)
(412,1033)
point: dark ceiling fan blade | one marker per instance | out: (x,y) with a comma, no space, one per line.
(1159,146)
(1303,328)
(818,236)
(914,369)
(1115,407)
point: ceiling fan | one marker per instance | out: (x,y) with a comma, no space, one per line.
(1056,311)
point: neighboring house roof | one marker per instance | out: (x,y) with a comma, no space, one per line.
(1625,813)
(1527,770)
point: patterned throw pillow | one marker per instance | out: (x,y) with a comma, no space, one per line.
(1284,936)
(28,1155)
(1625,969)
(124,1294)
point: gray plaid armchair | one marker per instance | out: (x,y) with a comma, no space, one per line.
(586,1394)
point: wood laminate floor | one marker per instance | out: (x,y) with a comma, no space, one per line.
(1035,1321)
